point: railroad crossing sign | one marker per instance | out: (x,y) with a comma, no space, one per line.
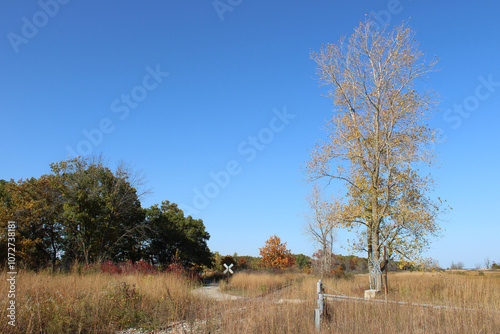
(376,266)
(228,268)
(375,270)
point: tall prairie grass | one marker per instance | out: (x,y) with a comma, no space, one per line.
(474,298)
(471,290)
(260,283)
(94,303)
(100,303)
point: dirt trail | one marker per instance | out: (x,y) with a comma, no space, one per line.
(213,291)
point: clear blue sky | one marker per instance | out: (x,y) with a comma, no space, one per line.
(181,89)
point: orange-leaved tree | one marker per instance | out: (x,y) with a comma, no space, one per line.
(275,255)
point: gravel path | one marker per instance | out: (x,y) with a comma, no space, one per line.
(213,291)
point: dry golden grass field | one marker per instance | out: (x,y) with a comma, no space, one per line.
(101,303)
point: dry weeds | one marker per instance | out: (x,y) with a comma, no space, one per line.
(97,303)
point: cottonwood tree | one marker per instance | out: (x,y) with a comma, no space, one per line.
(102,211)
(378,139)
(321,225)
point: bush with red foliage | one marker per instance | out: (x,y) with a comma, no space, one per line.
(141,267)
(125,268)
(110,268)
(180,271)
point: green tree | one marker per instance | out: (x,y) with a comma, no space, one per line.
(302,260)
(170,232)
(87,212)
(103,218)
(217,262)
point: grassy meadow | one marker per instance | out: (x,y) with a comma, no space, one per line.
(272,303)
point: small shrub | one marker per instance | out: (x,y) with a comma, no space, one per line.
(339,272)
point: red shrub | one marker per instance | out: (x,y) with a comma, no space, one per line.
(125,268)
(141,267)
(179,270)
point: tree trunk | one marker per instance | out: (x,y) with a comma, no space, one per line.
(54,255)
(325,259)
(377,277)
(370,251)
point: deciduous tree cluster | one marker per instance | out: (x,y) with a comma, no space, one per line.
(86,212)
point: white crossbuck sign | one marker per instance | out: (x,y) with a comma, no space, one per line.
(228,268)
(376,266)
(375,270)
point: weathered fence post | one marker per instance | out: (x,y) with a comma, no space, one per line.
(320,296)
(319,311)
(317,319)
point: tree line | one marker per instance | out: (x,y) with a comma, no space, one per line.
(84,211)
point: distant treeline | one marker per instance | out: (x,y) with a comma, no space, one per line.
(86,212)
(342,264)
(339,264)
